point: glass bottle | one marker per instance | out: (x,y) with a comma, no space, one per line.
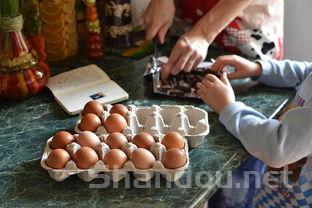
(59,28)
(22,74)
(94,39)
(118,24)
(125,34)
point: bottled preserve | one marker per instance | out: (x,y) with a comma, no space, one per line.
(22,72)
(124,31)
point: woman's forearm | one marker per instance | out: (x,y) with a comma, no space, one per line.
(219,17)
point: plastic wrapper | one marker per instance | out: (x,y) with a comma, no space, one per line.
(181,85)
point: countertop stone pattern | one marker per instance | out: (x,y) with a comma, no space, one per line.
(25,126)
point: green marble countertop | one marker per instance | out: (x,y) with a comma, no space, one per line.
(25,126)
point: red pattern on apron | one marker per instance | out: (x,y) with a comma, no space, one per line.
(193,10)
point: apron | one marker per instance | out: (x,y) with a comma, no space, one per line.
(300,195)
(256,33)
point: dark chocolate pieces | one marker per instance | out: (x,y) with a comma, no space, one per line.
(184,84)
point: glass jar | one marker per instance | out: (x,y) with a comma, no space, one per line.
(23,80)
(119,24)
(59,27)
(94,39)
(125,34)
(22,74)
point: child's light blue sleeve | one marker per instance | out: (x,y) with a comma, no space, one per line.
(275,142)
(284,73)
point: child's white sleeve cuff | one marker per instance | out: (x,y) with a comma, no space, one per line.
(229,110)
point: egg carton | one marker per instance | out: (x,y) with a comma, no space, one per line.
(114,175)
(191,122)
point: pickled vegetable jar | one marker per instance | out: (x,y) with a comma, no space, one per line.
(94,39)
(125,33)
(22,73)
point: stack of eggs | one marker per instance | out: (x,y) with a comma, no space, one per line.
(114,149)
(86,149)
(93,118)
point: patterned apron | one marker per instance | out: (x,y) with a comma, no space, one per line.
(256,33)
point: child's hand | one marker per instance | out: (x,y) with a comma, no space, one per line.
(216,93)
(243,67)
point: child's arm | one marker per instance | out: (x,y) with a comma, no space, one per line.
(274,73)
(277,143)
(284,73)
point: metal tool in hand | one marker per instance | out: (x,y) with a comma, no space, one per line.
(154,60)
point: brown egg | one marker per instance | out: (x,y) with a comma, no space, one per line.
(57,159)
(143,140)
(120,109)
(85,157)
(115,123)
(116,140)
(61,139)
(142,158)
(88,139)
(93,107)
(173,140)
(89,122)
(173,158)
(115,159)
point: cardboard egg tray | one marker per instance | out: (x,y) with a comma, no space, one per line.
(115,175)
(189,121)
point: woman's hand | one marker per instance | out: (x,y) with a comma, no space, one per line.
(243,67)
(192,47)
(216,93)
(188,52)
(158,18)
